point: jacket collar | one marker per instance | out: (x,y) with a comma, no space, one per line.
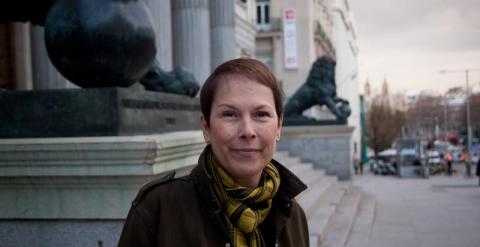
(290,184)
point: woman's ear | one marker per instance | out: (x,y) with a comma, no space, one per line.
(205,128)
(280,124)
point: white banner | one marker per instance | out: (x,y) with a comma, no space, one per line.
(290,38)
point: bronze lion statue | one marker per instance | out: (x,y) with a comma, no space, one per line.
(319,89)
(178,81)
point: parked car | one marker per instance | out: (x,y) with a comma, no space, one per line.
(383,168)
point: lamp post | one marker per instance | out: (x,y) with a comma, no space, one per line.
(469,127)
(445,131)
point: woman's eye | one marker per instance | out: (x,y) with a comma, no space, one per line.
(262,114)
(228,114)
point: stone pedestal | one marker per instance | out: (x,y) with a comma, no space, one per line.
(95,112)
(326,147)
(77,191)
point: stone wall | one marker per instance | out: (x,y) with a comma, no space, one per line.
(326,147)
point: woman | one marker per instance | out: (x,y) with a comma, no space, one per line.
(237,195)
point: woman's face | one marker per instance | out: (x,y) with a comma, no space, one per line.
(244,127)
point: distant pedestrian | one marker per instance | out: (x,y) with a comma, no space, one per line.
(478,171)
(356,165)
(361,167)
(449,158)
(395,166)
(466,162)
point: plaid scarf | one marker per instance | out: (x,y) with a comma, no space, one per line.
(244,208)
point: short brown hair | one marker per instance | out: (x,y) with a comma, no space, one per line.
(251,69)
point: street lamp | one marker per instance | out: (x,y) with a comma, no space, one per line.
(469,127)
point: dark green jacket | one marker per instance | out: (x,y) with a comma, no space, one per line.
(183,212)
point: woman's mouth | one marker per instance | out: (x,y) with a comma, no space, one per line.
(245,151)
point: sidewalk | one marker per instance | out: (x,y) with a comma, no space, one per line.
(439,212)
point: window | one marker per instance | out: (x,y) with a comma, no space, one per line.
(263,15)
(267,13)
(259,14)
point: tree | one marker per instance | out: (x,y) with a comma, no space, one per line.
(456,111)
(424,115)
(455,92)
(475,113)
(384,124)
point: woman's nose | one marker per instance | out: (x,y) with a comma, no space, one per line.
(247,130)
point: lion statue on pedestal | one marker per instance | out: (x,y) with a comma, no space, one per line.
(319,89)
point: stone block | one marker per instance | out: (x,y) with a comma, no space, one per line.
(95,112)
(337,143)
(77,191)
(326,147)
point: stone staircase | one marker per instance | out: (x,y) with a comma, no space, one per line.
(338,213)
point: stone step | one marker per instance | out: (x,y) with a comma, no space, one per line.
(322,171)
(295,165)
(342,221)
(289,161)
(279,155)
(301,170)
(312,176)
(281,152)
(362,229)
(322,213)
(318,184)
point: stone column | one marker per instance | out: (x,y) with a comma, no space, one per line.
(222,24)
(162,18)
(191,37)
(44,74)
(22,56)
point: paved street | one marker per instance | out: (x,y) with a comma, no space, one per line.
(440,211)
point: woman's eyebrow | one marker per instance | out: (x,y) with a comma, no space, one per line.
(263,106)
(226,105)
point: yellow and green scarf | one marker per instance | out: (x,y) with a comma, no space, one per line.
(245,208)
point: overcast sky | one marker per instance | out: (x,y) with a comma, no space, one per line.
(409,41)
